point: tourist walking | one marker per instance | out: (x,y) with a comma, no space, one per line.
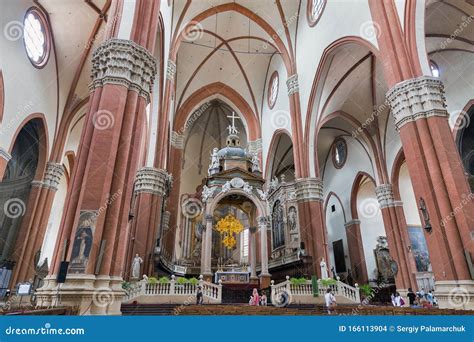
(199,296)
(330,301)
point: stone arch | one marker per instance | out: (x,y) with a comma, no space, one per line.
(272,150)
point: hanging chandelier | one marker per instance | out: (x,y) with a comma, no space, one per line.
(229,227)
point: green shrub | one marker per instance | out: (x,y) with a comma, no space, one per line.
(298,281)
(126,285)
(328,282)
(181,281)
(366,290)
(193,281)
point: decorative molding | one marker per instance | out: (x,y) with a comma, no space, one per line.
(385,196)
(123,62)
(262,220)
(351,223)
(309,189)
(177,140)
(152,181)
(165,222)
(52,175)
(254,146)
(209,218)
(4,154)
(292,84)
(170,70)
(417,98)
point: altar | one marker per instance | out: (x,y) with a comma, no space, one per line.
(232,277)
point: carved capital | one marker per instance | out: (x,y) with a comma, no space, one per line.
(123,62)
(209,218)
(309,189)
(417,98)
(385,196)
(292,84)
(152,181)
(177,140)
(262,221)
(254,146)
(52,175)
(170,70)
(5,155)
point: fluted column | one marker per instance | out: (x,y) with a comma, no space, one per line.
(356,251)
(309,194)
(34,225)
(264,276)
(419,110)
(397,237)
(151,187)
(98,203)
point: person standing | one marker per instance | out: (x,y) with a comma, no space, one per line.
(411,297)
(330,301)
(199,296)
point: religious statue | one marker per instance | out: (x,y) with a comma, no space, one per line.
(255,163)
(226,188)
(247,188)
(324,269)
(207,193)
(214,161)
(231,128)
(262,194)
(136,263)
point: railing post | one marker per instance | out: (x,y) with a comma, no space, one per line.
(288,285)
(172,284)
(219,292)
(272,291)
(357,292)
(142,283)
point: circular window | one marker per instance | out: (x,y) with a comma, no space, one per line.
(314,11)
(273,89)
(339,153)
(35,37)
(434,69)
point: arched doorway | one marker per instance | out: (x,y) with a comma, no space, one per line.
(26,162)
(465,142)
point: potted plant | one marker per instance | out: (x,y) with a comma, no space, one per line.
(328,282)
(126,285)
(180,281)
(298,281)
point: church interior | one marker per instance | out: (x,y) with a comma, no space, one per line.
(150,149)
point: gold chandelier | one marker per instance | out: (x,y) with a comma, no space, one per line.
(229,227)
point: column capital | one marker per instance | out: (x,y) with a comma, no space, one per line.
(4,154)
(309,189)
(262,220)
(255,146)
(177,140)
(209,218)
(152,181)
(293,84)
(351,223)
(52,175)
(124,62)
(170,70)
(385,196)
(417,98)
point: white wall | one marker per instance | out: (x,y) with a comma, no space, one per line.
(336,230)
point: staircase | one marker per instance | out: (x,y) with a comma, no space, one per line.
(291,310)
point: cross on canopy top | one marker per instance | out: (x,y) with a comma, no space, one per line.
(231,128)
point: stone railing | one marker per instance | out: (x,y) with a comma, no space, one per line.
(174,292)
(303,293)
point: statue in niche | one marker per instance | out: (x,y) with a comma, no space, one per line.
(247,188)
(292,218)
(255,163)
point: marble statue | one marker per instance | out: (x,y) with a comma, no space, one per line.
(262,194)
(214,161)
(247,188)
(137,261)
(226,187)
(255,163)
(292,218)
(207,193)
(324,269)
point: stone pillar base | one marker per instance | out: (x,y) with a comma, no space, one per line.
(92,295)
(264,280)
(455,294)
(254,280)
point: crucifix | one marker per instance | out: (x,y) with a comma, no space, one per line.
(231,128)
